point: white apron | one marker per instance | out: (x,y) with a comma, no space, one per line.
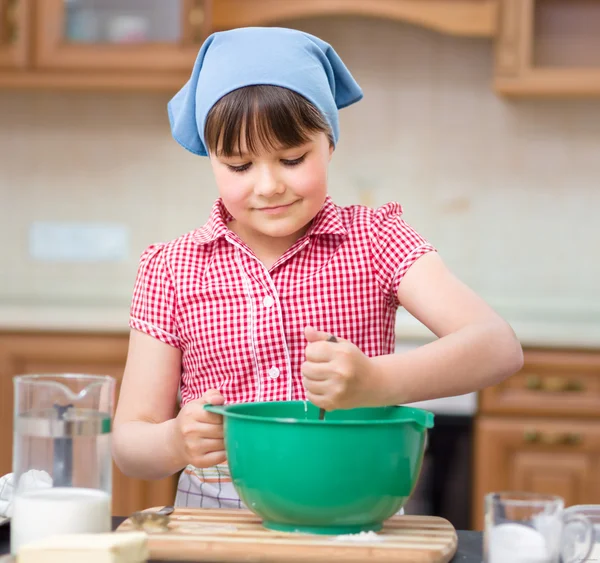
(209,488)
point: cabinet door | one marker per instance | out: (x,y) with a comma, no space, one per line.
(560,457)
(76,353)
(120,35)
(14,33)
(548,47)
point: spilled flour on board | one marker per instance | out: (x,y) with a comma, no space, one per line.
(360,537)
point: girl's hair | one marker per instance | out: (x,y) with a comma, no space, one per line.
(269,117)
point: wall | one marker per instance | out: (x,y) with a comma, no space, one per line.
(507,190)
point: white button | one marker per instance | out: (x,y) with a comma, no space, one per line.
(273,373)
(268,301)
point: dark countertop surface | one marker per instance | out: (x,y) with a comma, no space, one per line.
(469,544)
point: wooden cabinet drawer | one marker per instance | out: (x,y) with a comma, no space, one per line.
(550,383)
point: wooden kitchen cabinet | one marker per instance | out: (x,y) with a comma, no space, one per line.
(550,383)
(14,33)
(100,354)
(537,455)
(110,44)
(539,431)
(119,35)
(473,18)
(542,47)
(152,44)
(548,47)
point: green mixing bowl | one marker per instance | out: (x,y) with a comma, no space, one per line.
(342,475)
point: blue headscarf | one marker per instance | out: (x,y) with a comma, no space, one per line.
(248,56)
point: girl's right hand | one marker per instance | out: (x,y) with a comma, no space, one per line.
(200,433)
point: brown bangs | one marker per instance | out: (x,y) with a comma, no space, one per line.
(265,117)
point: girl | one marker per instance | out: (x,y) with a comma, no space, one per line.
(242,308)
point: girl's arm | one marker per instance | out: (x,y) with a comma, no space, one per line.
(476,347)
(149,442)
(144,433)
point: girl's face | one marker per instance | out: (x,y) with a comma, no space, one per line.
(273,195)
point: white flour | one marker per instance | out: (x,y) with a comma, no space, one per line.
(516,543)
(360,537)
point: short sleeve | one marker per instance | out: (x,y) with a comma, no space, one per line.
(153,303)
(395,247)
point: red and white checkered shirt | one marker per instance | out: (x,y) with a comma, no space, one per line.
(240,327)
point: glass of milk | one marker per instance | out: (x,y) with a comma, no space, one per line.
(62,463)
(534,528)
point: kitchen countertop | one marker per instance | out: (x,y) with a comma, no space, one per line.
(532,330)
(469,545)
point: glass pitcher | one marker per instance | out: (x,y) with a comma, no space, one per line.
(62,463)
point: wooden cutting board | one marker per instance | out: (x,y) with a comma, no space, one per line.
(228,536)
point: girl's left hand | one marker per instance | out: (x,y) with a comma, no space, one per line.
(337,375)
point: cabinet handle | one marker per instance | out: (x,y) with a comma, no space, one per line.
(552,384)
(11,21)
(547,439)
(196,19)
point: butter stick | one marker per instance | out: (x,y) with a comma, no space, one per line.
(121,547)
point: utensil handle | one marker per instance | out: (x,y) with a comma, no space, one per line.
(322,411)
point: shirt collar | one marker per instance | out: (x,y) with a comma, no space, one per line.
(326,222)
(216,226)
